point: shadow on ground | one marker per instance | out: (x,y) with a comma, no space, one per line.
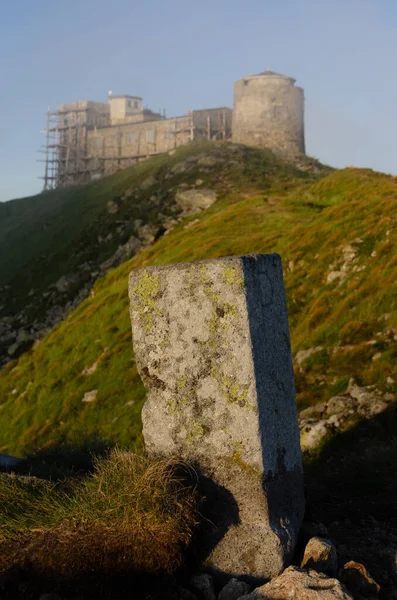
(351,488)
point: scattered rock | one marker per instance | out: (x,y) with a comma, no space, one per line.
(90,370)
(320,555)
(23,336)
(90,396)
(179,168)
(298,584)
(313,432)
(193,201)
(113,207)
(13,348)
(341,269)
(63,284)
(302,355)
(234,589)
(191,223)
(123,252)
(336,414)
(147,233)
(204,586)
(208,161)
(356,577)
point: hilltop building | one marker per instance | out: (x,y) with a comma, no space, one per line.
(269,112)
(87,140)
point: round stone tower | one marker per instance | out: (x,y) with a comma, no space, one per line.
(268,112)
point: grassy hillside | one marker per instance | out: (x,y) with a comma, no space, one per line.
(336,235)
(55,245)
(52,234)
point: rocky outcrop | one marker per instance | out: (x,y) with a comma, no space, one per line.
(320,555)
(193,200)
(298,584)
(339,412)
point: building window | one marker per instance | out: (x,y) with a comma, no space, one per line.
(97,143)
(150,135)
(136,104)
(129,103)
(131,138)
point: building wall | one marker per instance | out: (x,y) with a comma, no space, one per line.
(144,115)
(117,147)
(92,114)
(122,107)
(113,148)
(94,138)
(269,112)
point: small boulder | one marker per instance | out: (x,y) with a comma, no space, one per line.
(208,161)
(234,589)
(179,168)
(300,585)
(356,577)
(320,555)
(90,396)
(203,586)
(90,370)
(302,355)
(113,207)
(194,200)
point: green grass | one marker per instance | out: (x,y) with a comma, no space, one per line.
(51,234)
(263,206)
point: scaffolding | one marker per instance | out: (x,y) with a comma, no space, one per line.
(66,160)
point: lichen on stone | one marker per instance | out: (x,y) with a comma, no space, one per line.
(146,290)
(236,393)
(195,432)
(232,275)
(181,382)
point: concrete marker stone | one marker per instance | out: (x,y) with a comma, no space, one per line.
(212,346)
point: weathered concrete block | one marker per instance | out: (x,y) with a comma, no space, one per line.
(211,342)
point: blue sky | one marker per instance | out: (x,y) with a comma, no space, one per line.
(183,54)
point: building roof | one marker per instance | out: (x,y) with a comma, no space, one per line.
(272,75)
(124,96)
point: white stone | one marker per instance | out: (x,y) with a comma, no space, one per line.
(297,584)
(90,396)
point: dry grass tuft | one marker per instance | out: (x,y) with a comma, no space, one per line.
(131,515)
